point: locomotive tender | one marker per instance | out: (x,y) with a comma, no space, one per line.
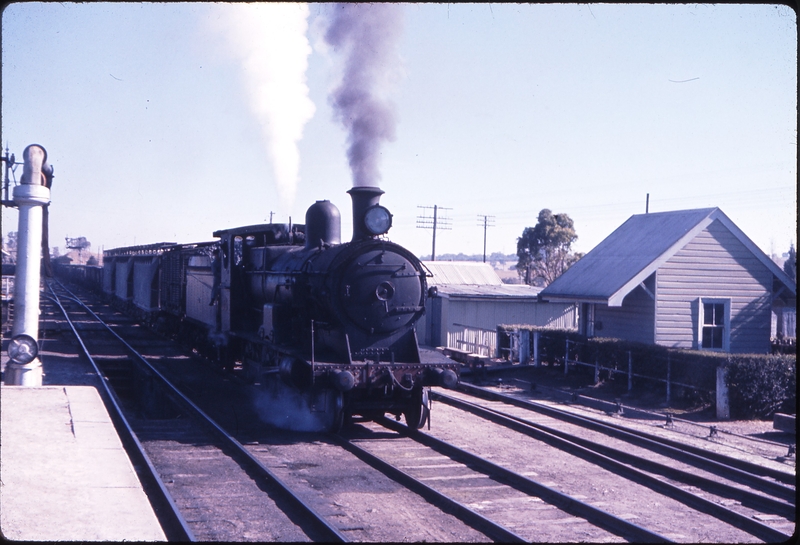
(298,309)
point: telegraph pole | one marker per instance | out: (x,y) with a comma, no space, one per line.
(435,222)
(486,221)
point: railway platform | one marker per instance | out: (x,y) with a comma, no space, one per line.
(64,473)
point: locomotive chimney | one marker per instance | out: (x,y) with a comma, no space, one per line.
(364,198)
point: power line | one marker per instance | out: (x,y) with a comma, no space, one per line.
(433,222)
(488,221)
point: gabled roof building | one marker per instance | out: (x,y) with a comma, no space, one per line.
(468,300)
(684,279)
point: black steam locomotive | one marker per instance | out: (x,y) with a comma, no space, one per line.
(292,307)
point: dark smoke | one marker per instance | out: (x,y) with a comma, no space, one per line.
(366,36)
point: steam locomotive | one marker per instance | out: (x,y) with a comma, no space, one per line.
(294,308)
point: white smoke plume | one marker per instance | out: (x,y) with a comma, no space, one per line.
(366,36)
(269,40)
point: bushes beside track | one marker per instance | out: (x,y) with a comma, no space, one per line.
(758,384)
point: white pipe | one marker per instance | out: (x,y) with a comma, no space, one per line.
(30,196)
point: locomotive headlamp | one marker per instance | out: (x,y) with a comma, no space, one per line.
(377,220)
(22,349)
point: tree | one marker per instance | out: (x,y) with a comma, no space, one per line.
(79,244)
(11,248)
(790,265)
(544,251)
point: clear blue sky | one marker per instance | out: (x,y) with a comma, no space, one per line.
(159,130)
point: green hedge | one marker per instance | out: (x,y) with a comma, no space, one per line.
(758,384)
(761,385)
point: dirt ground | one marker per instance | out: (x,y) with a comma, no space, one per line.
(757,436)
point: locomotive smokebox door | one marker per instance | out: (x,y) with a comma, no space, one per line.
(383,291)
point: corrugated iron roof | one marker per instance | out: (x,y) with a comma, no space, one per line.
(472,279)
(516,291)
(635,250)
(462,273)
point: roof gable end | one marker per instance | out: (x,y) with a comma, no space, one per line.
(773,267)
(636,249)
(628,256)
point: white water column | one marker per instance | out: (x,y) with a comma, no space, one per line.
(30,197)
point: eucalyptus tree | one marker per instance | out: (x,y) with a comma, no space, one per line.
(544,251)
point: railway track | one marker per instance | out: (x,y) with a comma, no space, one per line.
(220,478)
(204,478)
(751,497)
(236,481)
(521,503)
(729,464)
(431,466)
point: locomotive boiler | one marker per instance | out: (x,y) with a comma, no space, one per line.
(293,308)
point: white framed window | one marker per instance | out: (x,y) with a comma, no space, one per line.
(713,328)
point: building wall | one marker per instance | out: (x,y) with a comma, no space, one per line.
(487,314)
(633,321)
(714,265)
(452,320)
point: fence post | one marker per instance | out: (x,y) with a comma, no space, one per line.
(630,372)
(723,405)
(596,370)
(669,372)
(566,358)
(524,346)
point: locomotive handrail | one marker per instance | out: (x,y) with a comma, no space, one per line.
(405,310)
(428,272)
(406,274)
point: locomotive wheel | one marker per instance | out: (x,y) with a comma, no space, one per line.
(418,414)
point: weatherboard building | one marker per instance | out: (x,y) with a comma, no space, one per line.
(686,279)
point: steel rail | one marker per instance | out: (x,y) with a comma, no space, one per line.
(745,523)
(746,497)
(744,470)
(172,522)
(468,516)
(329,532)
(569,504)
(629,410)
